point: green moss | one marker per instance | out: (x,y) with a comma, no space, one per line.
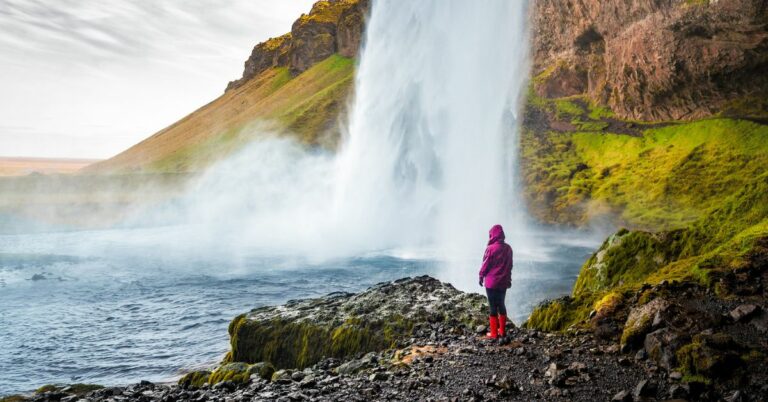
(195,379)
(48,388)
(233,372)
(14,398)
(635,331)
(76,389)
(289,344)
(559,314)
(566,108)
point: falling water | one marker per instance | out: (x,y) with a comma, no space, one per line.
(429,157)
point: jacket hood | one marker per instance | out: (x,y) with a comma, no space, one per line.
(496,235)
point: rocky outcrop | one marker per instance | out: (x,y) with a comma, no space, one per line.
(301,333)
(654,60)
(332,26)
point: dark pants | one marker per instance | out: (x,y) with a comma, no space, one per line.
(496,301)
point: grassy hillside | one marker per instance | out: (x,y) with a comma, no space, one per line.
(305,106)
(693,194)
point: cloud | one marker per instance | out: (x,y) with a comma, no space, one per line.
(72,63)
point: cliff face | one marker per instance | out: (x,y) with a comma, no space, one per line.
(334,26)
(653,59)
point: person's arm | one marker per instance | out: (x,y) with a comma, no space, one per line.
(484,267)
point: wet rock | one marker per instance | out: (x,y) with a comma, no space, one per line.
(344,324)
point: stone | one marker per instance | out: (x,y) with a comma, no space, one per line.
(345,324)
(677,391)
(481,329)
(639,322)
(661,346)
(375,377)
(644,388)
(641,355)
(744,312)
(675,376)
(622,396)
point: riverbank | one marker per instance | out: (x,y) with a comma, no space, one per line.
(437,352)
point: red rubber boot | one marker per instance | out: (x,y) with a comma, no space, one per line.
(494,327)
(502,325)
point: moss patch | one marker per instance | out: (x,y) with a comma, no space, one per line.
(195,379)
(289,344)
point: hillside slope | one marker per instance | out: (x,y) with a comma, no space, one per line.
(295,84)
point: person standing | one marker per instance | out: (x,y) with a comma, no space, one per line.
(496,276)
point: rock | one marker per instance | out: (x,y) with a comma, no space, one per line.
(344,324)
(378,377)
(194,379)
(744,312)
(677,391)
(644,388)
(661,346)
(353,366)
(263,370)
(710,355)
(282,376)
(640,320)
(481,329)
(675,376)
(641,355)
(330,27)
(650,60)
(239,373)
(622,396)
(297,376)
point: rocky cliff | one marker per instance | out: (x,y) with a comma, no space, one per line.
(654,59)
(331,27)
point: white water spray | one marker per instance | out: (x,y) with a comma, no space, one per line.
(430,153)
(427,162)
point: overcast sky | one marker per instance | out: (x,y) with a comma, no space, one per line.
(87,79)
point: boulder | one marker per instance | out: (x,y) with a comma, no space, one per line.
(661,345)
(301,333)
(744,312)
(640,322)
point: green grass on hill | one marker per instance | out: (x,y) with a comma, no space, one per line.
(695,196)
(667,178)
(306,106)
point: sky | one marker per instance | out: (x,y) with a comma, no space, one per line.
(89,78)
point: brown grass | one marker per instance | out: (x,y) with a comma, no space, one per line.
(13,166)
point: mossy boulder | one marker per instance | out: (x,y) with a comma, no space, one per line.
(195,379)
(234,372)
(301,333)
(640,322)
(73,389)
(14,398)
(708,356)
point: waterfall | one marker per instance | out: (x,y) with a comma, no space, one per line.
(426,165)
(431,142)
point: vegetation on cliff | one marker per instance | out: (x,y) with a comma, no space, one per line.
(306,106)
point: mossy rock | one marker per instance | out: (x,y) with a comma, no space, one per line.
(75,389)
(195,379)
(263,369)
(233,372)
(14,398)
(709,356)
(340,325)
(640,321)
